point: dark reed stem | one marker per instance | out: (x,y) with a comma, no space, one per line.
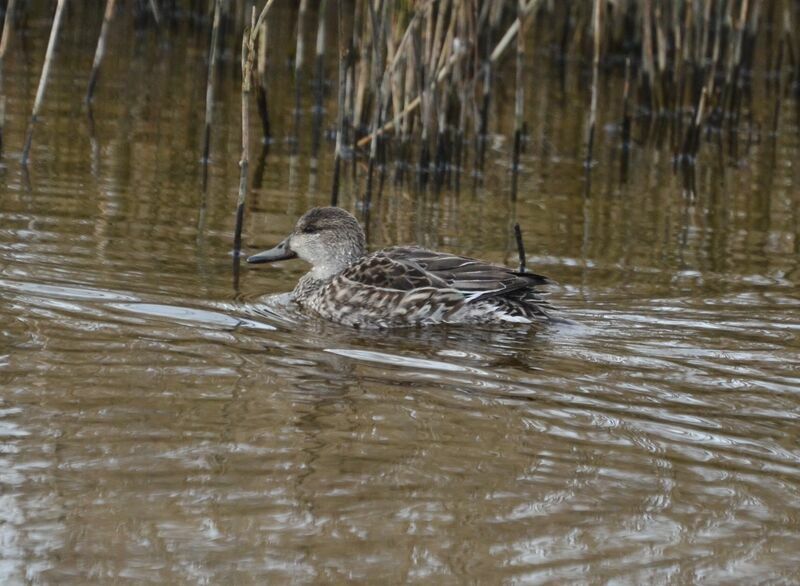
(212,67)
(261,85)
(344,58)
(350,85)
(101,48)
(37,104)
(483,127)
(519,97)
(520,248)
(626,122)
(596,26)
(319,80)
(298,70)
(378,29)
(244,161)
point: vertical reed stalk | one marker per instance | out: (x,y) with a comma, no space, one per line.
(492,16)
(779,87)
(519,108)
(626,122)
(435,98)
(394,56)
(212,67)
(520,248)
(101,48)
(459,96)
(364,50)
(244,161)
(597,23)
(648,64)
(298,69)
(261,86)
(319,81)
(4,41)
(344,58)
(408,89)
(249,39)
(444,147)
(37,104)
(6,34)
(377,16)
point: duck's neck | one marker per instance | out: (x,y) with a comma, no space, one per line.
(326,265)
(319,275)
(307,284)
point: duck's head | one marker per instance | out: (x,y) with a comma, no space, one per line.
(330,239)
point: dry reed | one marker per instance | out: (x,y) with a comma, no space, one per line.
(4,42)
(48,60)
(418,80)
(101,48)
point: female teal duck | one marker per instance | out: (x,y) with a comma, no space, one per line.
(400,286)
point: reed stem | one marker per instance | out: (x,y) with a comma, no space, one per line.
(520,248)
(597,24)
(344,58)
(261,85)
(4,42)
(101,48)
(519,98)
(298,69)
(319,81)
(249,39)
(48,60)
(212,67)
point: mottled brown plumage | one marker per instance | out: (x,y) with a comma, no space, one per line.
(400,286)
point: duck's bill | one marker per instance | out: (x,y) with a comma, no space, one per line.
(280,252)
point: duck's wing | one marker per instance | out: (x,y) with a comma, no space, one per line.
(411,286)
(383,291)
(385,270)
(474,278)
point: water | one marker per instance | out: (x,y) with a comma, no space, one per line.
(159,425)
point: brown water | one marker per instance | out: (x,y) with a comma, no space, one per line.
(157,425)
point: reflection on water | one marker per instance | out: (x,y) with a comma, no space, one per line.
(158,425)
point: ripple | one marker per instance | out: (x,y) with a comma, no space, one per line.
(198,317)
(66,292)
(402,361)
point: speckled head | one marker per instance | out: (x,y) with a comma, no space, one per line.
(328,238)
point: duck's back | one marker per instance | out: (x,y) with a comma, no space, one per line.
(409,286)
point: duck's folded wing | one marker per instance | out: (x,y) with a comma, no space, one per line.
(475,278)
(385,271)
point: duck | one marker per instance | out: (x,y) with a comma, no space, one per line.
(401,286)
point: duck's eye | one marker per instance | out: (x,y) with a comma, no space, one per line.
(311,229)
